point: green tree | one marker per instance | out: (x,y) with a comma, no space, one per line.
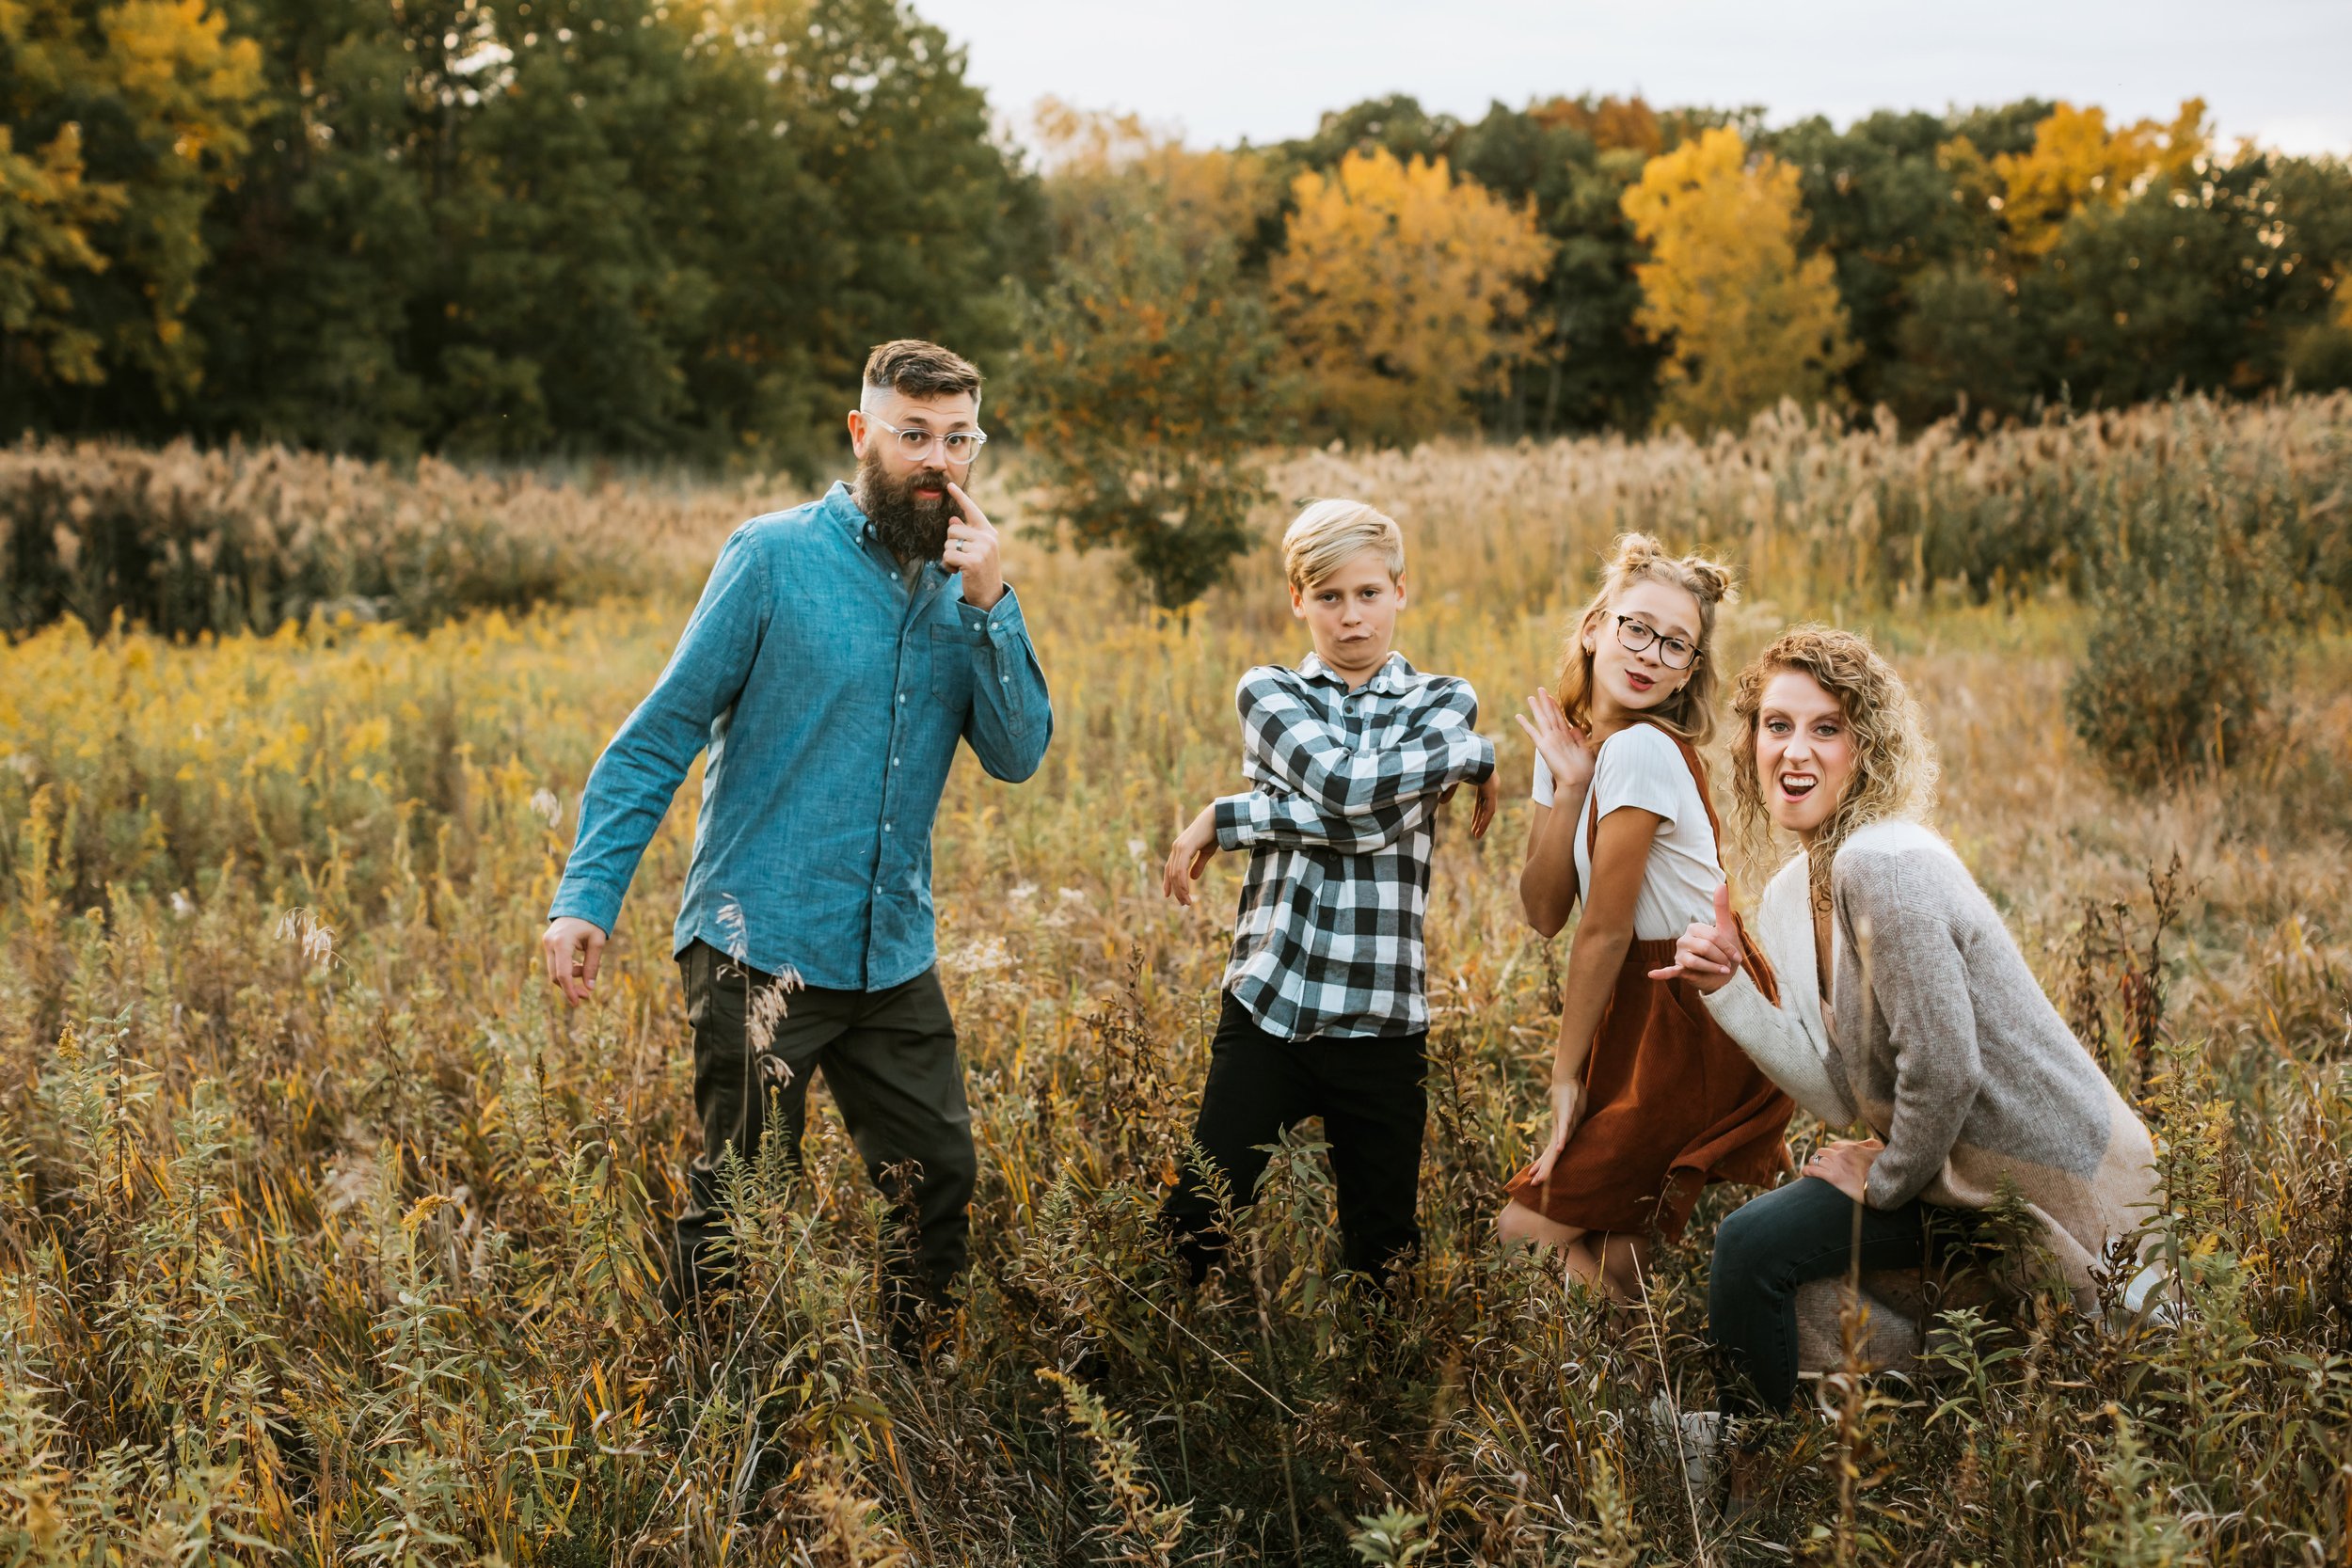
(1885,205)
(2187,285)
(941,230)
(1589,365)
(1959,346)
(121,119)
(603,226)
(326,249)
(1146,383)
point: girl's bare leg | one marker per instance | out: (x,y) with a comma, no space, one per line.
(1612,1261)
(1624,1266)
(1518,1223)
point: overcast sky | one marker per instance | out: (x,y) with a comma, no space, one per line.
(2280,71)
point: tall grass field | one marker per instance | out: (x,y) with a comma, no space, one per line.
(329,1234)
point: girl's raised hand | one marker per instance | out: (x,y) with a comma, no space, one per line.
(1561,744)
(1707,955)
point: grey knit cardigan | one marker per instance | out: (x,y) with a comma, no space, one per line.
(1942,1041)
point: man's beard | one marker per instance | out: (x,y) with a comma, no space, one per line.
(910,528)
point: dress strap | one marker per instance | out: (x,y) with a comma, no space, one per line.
(1759,966)
(1699,777)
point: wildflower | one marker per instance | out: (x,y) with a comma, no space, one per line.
(548,804)
(181,905)
(422,1210)
(766,1010)
(731,921)
(979,958)
(302,928)
(1136,848)
(1021,893)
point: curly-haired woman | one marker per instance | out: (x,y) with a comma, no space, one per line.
(1905,1003)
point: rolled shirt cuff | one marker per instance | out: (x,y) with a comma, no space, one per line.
(1000,620)
(1240,819)
(598,905)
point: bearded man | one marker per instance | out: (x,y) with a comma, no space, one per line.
(839,651)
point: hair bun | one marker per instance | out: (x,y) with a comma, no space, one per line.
(1709,579)
(1630,553)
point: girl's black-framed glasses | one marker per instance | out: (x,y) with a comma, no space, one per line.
(1675,653)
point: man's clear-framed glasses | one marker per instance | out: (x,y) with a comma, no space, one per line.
(960,445)
(1673,652)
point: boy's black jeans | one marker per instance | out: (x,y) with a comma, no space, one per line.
(889,1060)
(1369,1095)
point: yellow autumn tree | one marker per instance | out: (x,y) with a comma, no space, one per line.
(1403,293)
(2075,160)
(1747,319)
(99,271)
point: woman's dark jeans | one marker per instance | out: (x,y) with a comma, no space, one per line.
(1791,1235)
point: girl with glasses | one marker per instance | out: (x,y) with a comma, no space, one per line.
(1651,1101)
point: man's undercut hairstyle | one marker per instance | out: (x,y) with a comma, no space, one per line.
(1329,533)
(915,368)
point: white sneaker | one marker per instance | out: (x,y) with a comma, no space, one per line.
(1697,1435)
(2149,1298)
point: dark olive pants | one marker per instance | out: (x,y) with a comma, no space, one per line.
(889,1061)
(1369,1095)
(1790,1236)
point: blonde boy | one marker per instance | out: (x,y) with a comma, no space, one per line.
(1347,757)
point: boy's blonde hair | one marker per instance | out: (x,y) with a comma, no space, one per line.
(1638,558)
(1329,532)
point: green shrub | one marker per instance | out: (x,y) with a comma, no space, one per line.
(2185,645)
(2320,358)
(1146,386)
(187,542)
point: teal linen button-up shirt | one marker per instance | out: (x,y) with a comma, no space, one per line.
(830,692)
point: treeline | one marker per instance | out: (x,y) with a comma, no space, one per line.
(620,227)
(488,230)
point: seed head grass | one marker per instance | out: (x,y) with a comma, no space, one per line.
(330,1236)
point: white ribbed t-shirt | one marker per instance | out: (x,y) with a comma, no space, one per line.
(1641,766)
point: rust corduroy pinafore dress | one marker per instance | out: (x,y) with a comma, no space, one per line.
(1671,1101)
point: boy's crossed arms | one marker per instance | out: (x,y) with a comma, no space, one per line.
(1313,789)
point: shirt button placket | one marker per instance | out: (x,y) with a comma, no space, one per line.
(894,743)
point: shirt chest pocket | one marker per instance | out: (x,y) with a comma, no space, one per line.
(956,661)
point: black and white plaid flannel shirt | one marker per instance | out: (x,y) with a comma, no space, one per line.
(1341,823)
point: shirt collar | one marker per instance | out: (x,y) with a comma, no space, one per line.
(840,503)
(1392,680)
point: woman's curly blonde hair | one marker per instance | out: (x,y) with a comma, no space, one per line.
(1637,558)
(1894,768)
